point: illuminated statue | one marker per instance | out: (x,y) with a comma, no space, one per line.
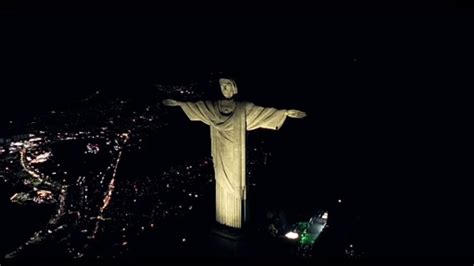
(229,120)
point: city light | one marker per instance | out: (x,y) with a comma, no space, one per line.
(292,235)
(325,215)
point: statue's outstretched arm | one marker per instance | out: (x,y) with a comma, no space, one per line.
(196,111)
(295,113)
(171,102)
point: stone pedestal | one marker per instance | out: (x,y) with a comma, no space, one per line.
(227,232)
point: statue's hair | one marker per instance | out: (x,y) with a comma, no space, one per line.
(232,82)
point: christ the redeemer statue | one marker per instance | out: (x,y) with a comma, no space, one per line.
(229,120)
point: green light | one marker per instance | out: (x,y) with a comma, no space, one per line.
(307,239)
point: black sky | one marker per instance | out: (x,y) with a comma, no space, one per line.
(383,94)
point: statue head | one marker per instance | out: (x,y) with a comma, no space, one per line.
(228,87)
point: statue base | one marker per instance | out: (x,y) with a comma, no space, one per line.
(228,242)
(227,232)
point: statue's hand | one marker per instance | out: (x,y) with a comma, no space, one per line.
(170,102)
(296,113)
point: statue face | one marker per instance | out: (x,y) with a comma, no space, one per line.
(228,88)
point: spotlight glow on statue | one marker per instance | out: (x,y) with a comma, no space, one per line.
(229,120)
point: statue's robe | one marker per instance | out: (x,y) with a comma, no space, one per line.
(228,132)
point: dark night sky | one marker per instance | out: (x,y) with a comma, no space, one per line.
(383,95)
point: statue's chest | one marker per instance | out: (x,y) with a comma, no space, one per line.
(226,107)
